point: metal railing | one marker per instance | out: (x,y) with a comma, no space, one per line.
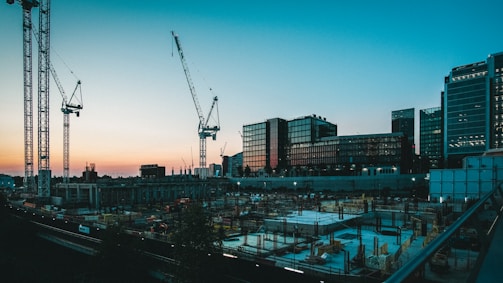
(428,251)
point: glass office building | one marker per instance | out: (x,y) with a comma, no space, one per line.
(403,121)
(266,145)
(473,113)
(430,136)
(310,129)
(311,144)
(255,152)
(496,90)
(278,132)
(348,155)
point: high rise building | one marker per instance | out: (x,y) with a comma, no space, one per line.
(255,146)
(403,121)
(236,164)
(473,109)
(278,133)
(430,136)
(266,144)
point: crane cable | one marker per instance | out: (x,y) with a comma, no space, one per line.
(66,65)
(201,75)
(35,33)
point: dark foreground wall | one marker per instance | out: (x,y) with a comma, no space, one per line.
(24,257)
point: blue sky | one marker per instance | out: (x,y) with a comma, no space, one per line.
(352,62)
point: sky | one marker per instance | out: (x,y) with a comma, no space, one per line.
(352,62)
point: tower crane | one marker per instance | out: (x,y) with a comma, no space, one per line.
(204,129)
(44,171)
(222,150)
(67,107)
(27,5)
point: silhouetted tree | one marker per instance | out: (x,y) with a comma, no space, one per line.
(197,246)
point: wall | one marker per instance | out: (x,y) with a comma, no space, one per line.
(479,175)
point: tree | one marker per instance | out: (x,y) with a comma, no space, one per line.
(247,171)
(197,246)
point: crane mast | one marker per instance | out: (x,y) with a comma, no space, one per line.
(68,108)
(204,130)
(27,5)
(44,171)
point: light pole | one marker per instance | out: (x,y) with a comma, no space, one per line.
(294,186)
(413,186)
(238,194)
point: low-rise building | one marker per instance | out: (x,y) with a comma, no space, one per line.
(479,175)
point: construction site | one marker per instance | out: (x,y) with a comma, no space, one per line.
(338,228)
(351,238)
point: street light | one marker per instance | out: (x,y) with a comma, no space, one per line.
(294,186)
(237,194)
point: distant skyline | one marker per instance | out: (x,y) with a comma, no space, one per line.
(350,62)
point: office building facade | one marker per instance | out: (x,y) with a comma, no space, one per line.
(430,136)
(266,145)
(350,155)
(403,121)
(310,129)
(255,146)
(278,133)
(473,110)
(237,164)
(310,146)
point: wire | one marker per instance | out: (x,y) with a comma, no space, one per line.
(66,65)
(35,33)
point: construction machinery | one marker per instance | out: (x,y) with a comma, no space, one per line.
(204,129)
(44,171)
(67,107)
(222,150)
(27,5)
